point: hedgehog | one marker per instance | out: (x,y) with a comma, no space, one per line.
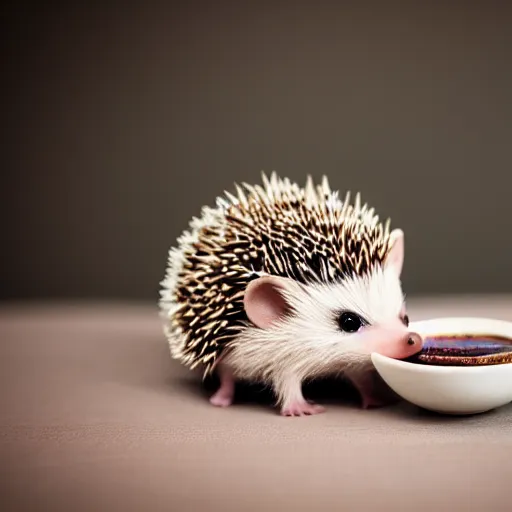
(282,284)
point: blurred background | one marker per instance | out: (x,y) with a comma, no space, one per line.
(120,123)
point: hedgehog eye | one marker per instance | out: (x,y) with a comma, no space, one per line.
(350,322)
(405,320)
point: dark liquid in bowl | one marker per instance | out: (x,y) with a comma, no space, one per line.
(469,350)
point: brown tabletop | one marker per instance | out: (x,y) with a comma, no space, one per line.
(94,416)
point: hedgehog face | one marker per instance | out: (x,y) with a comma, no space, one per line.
(357,315)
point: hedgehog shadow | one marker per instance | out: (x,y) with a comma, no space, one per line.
(322,390)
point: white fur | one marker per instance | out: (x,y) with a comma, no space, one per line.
(309,342)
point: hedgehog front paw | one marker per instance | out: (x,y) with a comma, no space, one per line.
(301,408)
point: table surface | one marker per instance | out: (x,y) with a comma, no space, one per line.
(95,416)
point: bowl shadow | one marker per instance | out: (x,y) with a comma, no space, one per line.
(336,392)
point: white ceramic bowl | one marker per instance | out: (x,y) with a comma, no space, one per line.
(451,389)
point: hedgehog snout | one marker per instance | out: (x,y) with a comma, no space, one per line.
(401,346)
(391,340)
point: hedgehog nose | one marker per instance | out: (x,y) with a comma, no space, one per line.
(414,339)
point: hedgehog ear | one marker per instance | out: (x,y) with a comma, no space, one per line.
(395,257)
(264,300)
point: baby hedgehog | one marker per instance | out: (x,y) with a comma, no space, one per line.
(281,285)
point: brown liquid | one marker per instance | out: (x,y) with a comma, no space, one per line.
(464,350)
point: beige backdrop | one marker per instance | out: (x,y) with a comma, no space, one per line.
(120,123)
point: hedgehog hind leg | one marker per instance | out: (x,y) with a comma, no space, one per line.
(290,398)
(224,395)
